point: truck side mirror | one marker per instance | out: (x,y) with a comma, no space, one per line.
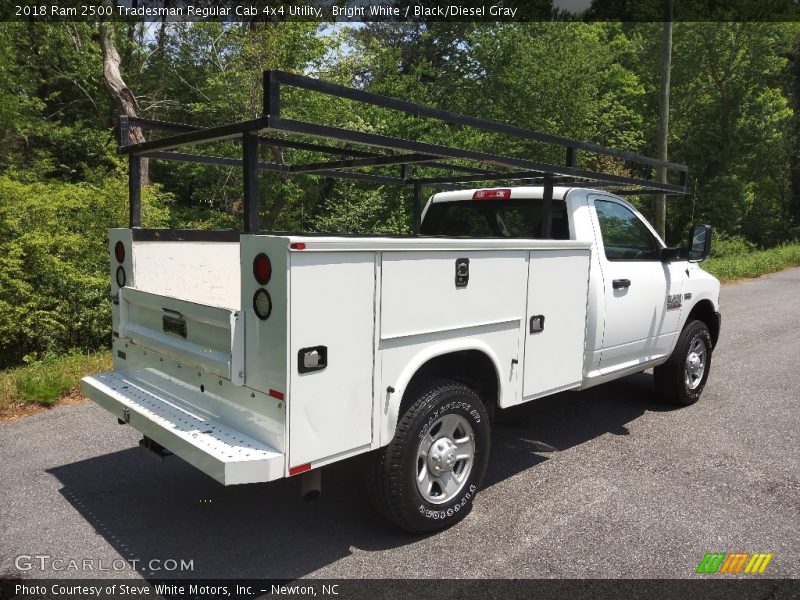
(700,243)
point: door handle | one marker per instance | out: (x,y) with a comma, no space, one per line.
(537,323)
(621,284)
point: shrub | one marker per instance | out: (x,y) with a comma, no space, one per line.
(755,263)
(42,386)
(54,280)
(723,246)
(45,380)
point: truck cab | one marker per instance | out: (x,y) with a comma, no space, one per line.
(639,293)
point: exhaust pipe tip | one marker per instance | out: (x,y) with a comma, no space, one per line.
(311,485)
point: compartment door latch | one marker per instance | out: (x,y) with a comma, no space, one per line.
(312,359)
(462,272)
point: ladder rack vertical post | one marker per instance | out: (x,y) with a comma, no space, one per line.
(417,208)
(272,95)
(124,130)
(571,157)
(135,190)
(547,207)
(250,168)
(134,175)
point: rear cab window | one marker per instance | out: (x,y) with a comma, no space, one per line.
(513,218)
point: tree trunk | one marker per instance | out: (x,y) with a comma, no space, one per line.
(127,56)
(663,116)
(122,96)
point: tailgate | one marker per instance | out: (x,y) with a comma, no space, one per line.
(204,337)
(169,413)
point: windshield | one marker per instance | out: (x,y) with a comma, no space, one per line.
(520,218)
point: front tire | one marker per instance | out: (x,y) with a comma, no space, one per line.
(427,477)
(682,378)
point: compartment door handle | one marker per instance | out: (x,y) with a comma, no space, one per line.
(537,323)
(621,284)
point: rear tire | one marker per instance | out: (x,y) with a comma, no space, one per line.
(427,477)
(682,378)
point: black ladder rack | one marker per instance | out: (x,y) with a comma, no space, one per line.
(349,163)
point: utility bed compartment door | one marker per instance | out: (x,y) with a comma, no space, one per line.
(203,337)
(332,321)
(555,327)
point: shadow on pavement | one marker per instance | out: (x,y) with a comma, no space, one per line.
(147,510)
(525,435)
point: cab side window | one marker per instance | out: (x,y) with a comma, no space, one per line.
(625,237)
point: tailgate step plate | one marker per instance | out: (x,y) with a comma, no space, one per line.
(223,453)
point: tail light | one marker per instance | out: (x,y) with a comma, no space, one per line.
(262,304)
(119,252)
(121,278)
(262,269)
(495,194)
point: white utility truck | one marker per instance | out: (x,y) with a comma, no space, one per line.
(256,356)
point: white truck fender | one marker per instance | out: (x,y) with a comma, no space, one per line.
(390,413)
(700,297)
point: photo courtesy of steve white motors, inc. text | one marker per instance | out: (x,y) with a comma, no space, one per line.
(194,590)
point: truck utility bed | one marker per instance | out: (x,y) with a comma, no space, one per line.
(229,391)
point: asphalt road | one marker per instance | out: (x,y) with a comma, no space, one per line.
(604,483)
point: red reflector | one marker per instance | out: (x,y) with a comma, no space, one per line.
(297,246)
(119,251)
(300,469)
(262,269)
(496,194)
(276,394)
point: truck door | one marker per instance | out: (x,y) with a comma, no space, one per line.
(642,294)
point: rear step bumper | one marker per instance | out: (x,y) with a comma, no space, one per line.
(223,453)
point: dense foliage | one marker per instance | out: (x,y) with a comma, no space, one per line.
(734,120)
(54,279)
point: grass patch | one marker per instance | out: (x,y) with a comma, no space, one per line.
(753,263)
(44,381)
(44,386)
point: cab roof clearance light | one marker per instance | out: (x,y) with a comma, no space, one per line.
(495,194)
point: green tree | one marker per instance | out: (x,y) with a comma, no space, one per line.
(729,117)
(55,119)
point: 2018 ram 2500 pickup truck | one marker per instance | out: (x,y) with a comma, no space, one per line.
(260,356)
